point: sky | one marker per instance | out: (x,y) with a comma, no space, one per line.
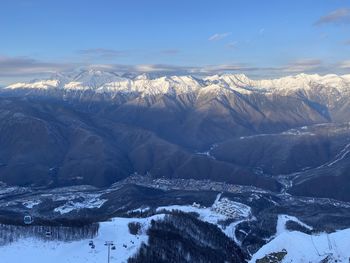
(259,38)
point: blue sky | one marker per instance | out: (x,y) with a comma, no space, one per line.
(259,38)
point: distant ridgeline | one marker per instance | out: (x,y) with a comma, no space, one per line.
(96,127)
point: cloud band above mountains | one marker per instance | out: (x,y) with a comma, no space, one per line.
(19,67)
(24,66)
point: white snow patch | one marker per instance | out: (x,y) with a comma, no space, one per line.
(32,250)
(283,219)
(221,210)
(302,247)
(88,203)
(308,248)
(30,204)
(139,210)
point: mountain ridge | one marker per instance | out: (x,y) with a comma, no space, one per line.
(109,81)
(97,128)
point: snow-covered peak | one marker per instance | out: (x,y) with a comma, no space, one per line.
(306,82)
(42,84)
(288,83)
(234,82)
(143,76)
(227,77)
(93,79)
(166,85)
(106,81)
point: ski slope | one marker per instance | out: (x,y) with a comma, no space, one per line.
(306,248)
(33,250)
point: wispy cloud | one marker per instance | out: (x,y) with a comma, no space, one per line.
(158,68)
(339,16)
(218,69)
(303,65)
(19,66)
(344,64)
(13,69)
(232,45)
(102,53)
(172,51)
(219,36)
(347,42)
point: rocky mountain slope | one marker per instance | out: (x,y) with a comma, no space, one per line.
(96,127)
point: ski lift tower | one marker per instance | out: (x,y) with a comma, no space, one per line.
(109,244)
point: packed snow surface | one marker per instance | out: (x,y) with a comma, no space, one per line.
(30,204)
(86,204)
(282,221)
(32,250)
(221,210)
(306,248)
(302,247)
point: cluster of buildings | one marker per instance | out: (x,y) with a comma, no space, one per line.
(184,184)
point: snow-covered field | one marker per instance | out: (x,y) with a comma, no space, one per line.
(282,221)
(92,201)
(32,250)
(306,248)
(221,210)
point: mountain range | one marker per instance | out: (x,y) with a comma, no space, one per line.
(97,127)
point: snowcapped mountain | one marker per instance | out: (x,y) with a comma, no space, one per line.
(328,96)
(116,125)
(109,82)
(105,81)
(281,147)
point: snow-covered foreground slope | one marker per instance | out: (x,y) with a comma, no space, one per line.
(38,251)
(31,250)
(302,247)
